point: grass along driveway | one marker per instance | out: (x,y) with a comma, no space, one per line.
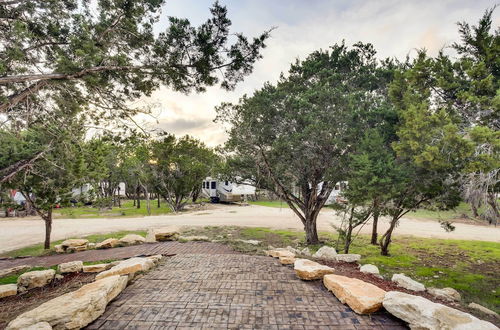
(128,209)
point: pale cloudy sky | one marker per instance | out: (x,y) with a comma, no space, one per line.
(395,27)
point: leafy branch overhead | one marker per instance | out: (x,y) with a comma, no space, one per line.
(106,53)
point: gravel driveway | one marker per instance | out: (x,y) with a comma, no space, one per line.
(18,233)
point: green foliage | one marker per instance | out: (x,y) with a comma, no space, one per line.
(105,54)
(179,166)
(294,137)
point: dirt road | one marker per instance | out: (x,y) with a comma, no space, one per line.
(18,233)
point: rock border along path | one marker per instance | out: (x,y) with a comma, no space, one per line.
(166,248)
(226,291)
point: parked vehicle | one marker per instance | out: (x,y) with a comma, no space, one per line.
(225,191)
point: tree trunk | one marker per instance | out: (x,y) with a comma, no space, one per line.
(385,240)
(311,230)
(376,214)
(138,195)
(159,201)
(474,210)
(48,229)
(494,207)
(148,201)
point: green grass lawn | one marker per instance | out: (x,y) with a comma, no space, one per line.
(471,267)
(38,250)
(126,210)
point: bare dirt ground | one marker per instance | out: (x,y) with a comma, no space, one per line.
(17,233)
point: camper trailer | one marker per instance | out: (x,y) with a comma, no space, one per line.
(336,194)
(225,191)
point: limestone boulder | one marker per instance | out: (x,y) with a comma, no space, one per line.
(75,245)
(97,268)
(306,252)
(156,258)
(483,309)
(326,252)
(423,314)
(70,267)
(13,270)
(131,239)
(40,326)
(91,246)
(405,282)
(348,257)
(107,243)
(129,266)
(7,290)
(369,269)
(362,297)
(249,241)
(35,279)
(293,250)
(73,310)
(446,293)
(59,248)
(200,238)
(286,260)
(310,270)
(277,253)
(162,234)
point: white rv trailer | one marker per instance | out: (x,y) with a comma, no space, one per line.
(225,191)
(336,194)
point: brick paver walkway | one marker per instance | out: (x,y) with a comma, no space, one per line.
(231,291)
(120,253)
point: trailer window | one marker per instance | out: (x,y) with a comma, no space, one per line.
(203,184)
(227,183)
(213,184)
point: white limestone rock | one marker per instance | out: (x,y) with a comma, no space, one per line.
(131,239)
(423,314)
(129,266)
(348,257)
(483,309)
(325,252)
(72,310)
(70,267)
(446,293)
(370,269)
(405,282)
(7,290)
(310,270)
(35,279)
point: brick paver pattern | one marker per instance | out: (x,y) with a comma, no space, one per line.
(231,291)
(171,247)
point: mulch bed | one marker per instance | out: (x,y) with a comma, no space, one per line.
(11,307)
(351,270)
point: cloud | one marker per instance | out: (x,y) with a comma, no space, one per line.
(395,27)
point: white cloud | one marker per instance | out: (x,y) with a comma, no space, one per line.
(395,27)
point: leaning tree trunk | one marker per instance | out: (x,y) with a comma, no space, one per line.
(386,238)
(48,228)
(494,207)
(475,212)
